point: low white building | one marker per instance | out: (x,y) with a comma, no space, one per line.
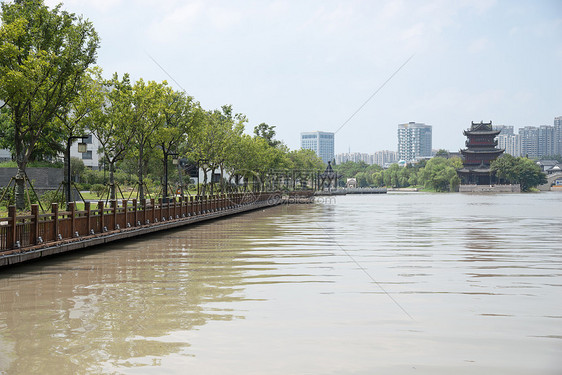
(91,157)
(5,155)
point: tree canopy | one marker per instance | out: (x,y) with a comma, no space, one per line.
(44,54)
(520,170)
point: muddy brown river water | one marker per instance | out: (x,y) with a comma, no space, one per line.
(388,284)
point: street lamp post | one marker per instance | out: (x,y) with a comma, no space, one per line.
(81,148)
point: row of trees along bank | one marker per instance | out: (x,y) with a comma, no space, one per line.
(440,173)
(51,92)
(436,174)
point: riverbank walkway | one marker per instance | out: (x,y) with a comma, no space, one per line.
(34,236)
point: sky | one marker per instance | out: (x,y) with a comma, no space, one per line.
(303,65)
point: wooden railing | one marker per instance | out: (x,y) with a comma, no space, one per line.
(18,232)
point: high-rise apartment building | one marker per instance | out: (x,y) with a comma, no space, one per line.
(508,140)
(546,140)
(385,157)
(510,143)
(529,136)
(322,143)
(414,141)
(382,158)
(504,129)
(558,135)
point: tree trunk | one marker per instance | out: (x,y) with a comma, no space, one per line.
(21,161)
(165,179)
(212,182)
(204,181)
(20,187)
(222,179)
(141,182)
(112,194)
(65,180)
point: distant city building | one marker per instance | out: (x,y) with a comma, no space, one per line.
(382,158)
(546,141)
(558,135)
(511,143)
(537,142)
(504,129)
(355,157)
(508,140)
(322,143)
(385,157)
(414,141)
(529,137)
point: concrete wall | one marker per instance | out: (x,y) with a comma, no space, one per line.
(42,178)
(490,188)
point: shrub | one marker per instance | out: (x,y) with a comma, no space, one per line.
(9,199)
(52,196)
(83,186)
(98,189)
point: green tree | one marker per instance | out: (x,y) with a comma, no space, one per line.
(44,54)
(266,132)
(349,169)
(305,160)
(77,167)
(439,174)
(522,171)
(72,119)
(378,178)
(442,153)
(213,140)
(363,179)
(178,120)
(146,116)
(109,121)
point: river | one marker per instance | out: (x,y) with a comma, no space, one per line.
(397,283)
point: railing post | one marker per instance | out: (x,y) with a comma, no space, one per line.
(35,231)
(88,209)
(55,212)
(72,209)
(135,208)
(144,211)
(12,232)
(153,209)
(124,204)
(161,207)
(102,220)
(114,213)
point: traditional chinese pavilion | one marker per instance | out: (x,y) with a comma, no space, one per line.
(480,152)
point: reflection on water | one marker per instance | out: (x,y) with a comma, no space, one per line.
(318,289)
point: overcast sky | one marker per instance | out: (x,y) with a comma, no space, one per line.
(309,65)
